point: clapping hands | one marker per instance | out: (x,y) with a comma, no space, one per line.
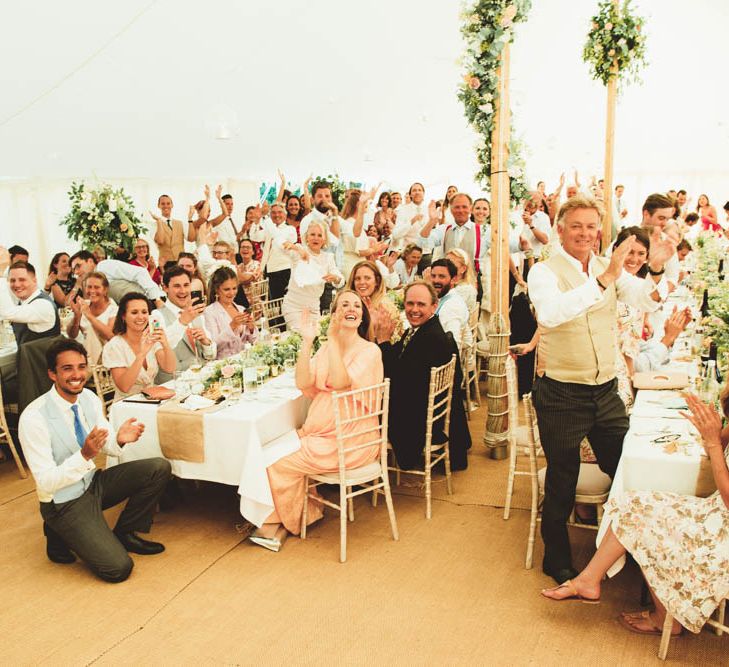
(706,420)
(307,328)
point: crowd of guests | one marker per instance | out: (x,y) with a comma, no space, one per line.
(592,318)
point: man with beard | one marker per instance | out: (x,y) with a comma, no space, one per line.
(408,363)
(62,432)
(452,310)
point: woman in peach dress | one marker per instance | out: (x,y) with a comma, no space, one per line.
(348,360)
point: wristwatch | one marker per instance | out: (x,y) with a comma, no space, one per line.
(656,273)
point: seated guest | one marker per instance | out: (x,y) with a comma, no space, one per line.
(61,432)
(465,281)
(347,361)
(137,351)
(59,282)
(407,364)
(306,297)
(146,261)
(230,325)
(31,311)
(452,310)
(122,276)
(188,261)
(407,266)
(680,542)
(367,281)
(184,323)
(93,316)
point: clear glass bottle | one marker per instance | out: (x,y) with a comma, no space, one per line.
(709,386)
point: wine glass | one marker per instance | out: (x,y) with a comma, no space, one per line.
(226,388)
(250,382)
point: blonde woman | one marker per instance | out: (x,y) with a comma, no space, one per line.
(367,281)
(311,269)
(465,278)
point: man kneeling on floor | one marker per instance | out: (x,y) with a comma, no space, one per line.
(61,432)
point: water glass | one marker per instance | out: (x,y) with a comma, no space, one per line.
(250,382)
(182,385)
(290,365)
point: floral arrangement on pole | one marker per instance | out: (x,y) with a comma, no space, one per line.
(487,28)
(615,38)
(103,216)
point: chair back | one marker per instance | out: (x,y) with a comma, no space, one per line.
(272,313)
(440,396)
(257,291)
(533,441)
(360,419)
(512,399)
(104,385)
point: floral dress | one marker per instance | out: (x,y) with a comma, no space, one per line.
(682,545)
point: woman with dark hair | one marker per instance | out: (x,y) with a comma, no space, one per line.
(230,325)
(139,348)
(445,210)
(294,215)
(347,361)
(385,215)
(60,281)
(709,221)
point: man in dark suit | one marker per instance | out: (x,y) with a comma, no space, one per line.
(408,363)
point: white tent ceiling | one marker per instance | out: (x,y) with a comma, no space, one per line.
(144,89)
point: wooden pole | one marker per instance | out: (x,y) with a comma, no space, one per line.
(500,204)
(608,187)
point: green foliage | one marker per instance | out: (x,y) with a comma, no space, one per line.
(487,28)
(615,35)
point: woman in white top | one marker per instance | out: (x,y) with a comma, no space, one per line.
(465,278)
(93,316)
(137,351)
(311,270)
(407,266)
(357,244)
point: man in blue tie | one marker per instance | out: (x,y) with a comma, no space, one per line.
(61,432)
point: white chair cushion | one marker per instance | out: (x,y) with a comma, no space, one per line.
(354,475)
(591,482)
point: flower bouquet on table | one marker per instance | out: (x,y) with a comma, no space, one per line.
(102,216)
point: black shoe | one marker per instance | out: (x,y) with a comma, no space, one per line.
(56,548)
(132,542)
(561,575)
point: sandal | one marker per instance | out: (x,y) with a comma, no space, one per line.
(573,591)
(624,620)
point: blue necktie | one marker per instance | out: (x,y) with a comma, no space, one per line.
(78,427)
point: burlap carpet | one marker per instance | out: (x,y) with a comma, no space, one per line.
(452,591)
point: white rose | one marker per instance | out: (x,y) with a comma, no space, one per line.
(112,205)
(487,108)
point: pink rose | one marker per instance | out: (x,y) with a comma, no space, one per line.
(608,26)
(474,83)
(227,371)
(508,17)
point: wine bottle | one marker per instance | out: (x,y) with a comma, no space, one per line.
(721,269)
(713,353)
(705,304)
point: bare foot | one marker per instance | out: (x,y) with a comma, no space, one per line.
(573,589)
(648,622)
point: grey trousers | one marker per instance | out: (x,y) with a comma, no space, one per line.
(81,524)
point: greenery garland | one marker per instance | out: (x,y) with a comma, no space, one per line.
(268,191)
(616,35)
(102,217)
(487,28)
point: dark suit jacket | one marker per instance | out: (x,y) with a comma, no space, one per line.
(409,374)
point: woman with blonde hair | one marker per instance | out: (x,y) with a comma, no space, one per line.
(465,278)
(367,281)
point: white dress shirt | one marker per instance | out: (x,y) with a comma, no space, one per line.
(35,439)
(273,237)
(437,235)
(177,330)
(541,222)
(226,232)
(39,315)
(453,314)
(113,269)
(406,232)
(555,307)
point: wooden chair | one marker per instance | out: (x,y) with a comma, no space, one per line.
(469,366)
(358,413)
(593,485)
(719,625)
(104,386)
(5,436)
(272,312)
(257,291)
(440,396)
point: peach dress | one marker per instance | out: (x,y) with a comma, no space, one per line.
(318,452)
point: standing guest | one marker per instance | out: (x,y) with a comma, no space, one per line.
(31,312)
(249,270)
(575,294)
(346,362)
(451,310)
(683,202)
(407,265)
(408,363)
(385,212)
(445,213)
(138,350)
(619,210)
(59,282)
(223,223)
(230,325)
(170,234)
(93,316)
(294,215)
(304,294)
(253,214)
(657,213)
(411,218)
(197,217)
(18,254)
(146,261)
(395,201)
(274,234)
(680,542)
(537,227)
(707,212)
(355,241)
(62,432)
(464,283)
(188,261)
(183,322)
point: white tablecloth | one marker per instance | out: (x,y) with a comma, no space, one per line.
(240,441)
